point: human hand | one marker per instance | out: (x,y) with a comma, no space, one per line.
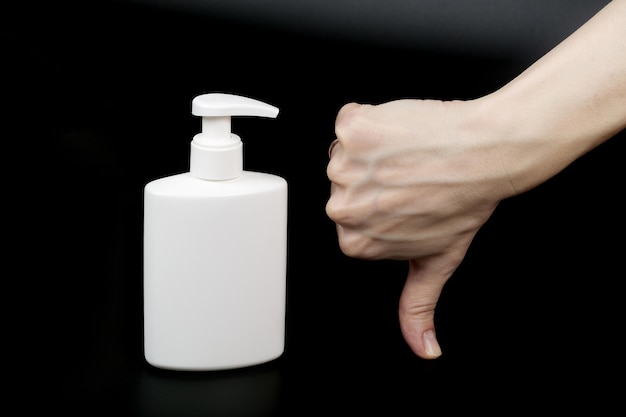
(409,183)
(416,179)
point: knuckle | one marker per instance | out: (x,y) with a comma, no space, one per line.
(347,121)
(337,212)
(333,171)
(359,246)
(354,245)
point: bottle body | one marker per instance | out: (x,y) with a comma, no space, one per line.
(215,257)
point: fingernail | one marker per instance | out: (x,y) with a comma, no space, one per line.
(430,344)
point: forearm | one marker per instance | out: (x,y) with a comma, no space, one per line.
(568,102)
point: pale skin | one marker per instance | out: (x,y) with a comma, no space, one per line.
(416,179)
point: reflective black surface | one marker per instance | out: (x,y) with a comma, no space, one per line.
(532,320)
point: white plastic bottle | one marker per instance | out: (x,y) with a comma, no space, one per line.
(215,252)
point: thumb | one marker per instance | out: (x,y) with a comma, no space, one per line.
(418,300)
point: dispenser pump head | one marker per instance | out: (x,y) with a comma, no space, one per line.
(216,152)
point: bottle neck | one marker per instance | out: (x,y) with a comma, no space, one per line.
(216,160)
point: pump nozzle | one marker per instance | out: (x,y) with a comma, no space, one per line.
(216,152)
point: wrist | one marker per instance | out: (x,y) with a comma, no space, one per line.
(520,149)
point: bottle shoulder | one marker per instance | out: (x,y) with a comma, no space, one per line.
(186,185)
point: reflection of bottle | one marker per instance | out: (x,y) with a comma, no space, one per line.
(215,247)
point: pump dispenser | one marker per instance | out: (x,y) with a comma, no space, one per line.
(215,251)
(216,153)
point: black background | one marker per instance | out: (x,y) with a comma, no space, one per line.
(99,98)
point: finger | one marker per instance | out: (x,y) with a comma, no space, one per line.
(418,300)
